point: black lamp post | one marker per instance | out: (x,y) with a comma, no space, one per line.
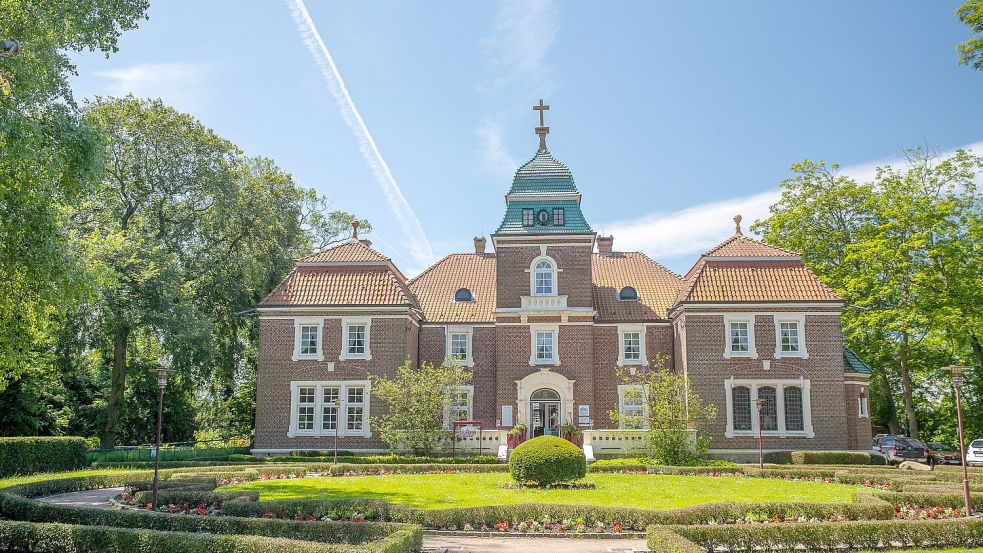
(956,371)
(163,372)
(758,403)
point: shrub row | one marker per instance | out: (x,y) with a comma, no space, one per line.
(952,499)
(24,509)
(41,454)
(370,459)
(867,507)
(831,536)
(823,458)
(178,496)
(58,538)
(342,469)
(169,464)
(663,540)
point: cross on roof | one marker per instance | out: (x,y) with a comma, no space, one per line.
(542,130)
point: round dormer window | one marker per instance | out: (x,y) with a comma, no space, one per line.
(628,294)
(463,294)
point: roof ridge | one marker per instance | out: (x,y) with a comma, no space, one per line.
(342,243)
(737,237)
(428,269)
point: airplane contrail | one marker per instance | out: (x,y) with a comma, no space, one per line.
(419,243)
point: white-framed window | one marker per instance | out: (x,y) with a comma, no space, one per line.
(631,344)
(344,403)
(863,405)
(785,407)
(356,338)
(459,405)
(544,344)
(458,340)
(307,338)
(558,216)
(527,217)
(790,335)
(739,336)
(632,407)
(543,276)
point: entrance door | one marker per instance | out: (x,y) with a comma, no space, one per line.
(545,409)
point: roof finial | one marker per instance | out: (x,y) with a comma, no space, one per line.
(542,130)
(354,229)
(737,225)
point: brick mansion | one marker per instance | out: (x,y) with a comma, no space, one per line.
(545,316)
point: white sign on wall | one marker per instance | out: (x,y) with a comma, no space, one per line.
(583,410)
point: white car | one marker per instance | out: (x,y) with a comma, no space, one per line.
(974,454)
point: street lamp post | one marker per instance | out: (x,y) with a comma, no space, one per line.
(956,371)
(163,372)
(758,403)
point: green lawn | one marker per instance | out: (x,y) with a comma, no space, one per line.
(437,491)
(13,481)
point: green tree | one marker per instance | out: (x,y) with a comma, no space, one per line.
(48,159)
(971,51)
(666,404)
(418,400)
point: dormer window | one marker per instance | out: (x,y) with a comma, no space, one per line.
(558,214)
(527,217)
(463,295)
(628,294)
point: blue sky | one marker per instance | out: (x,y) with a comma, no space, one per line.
(672,116)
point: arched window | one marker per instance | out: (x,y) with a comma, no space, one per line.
(545,394)
(628,294)
(463,294)
(793,408)
(741,405)
(544,278)
(769,408)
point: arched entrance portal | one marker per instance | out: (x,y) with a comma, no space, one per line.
(544,404)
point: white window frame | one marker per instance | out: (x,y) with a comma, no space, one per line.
(345,323)
(469,390)
(622,392)
(800,320)
(622,330)
(309,321)
(468,360)
(342,420)
(555,271)
(739,318)
(863,405)
(533,329)
(779,385)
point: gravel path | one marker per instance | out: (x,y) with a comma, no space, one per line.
(90,499)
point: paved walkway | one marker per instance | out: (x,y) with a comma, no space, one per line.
(100,499)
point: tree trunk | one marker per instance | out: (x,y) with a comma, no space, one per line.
(893,426)
(108,439)
(906,389)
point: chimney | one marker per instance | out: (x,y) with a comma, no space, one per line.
(605,244)
(479,245)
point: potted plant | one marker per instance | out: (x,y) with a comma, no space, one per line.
(517,435)
(572,434)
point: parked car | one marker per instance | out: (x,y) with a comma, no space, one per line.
(974,454)
(896,449)
(942,454)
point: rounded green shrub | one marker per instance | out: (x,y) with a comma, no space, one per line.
(547,460)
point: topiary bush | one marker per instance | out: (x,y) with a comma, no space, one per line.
(547,460)
(29,455)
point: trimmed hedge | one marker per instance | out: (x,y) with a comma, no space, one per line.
(821,458)
(662,540)
(58,538)
(547,460)
(371,459)
(29,455)
(20,508)
(178,496)
(832,536)
(342,469)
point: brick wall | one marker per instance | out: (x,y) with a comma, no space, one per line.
(573,279)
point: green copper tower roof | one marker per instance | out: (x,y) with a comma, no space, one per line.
(543,199)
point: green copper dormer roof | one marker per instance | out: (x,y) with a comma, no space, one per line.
(852,363)
(543,184)
(543,174)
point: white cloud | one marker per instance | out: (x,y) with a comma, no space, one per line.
(690,232)
(177,84)
(416,238)
(494,154)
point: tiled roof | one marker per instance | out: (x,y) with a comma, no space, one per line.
(435,287)
(742,246)
(339,286)
(349,251)
(573,218)
(852,363)
(543,175)
(750,281)
(657,287)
